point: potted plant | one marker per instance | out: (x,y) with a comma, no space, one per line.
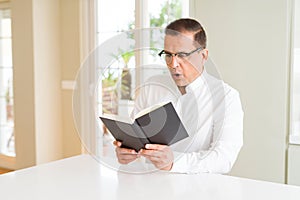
(126,76)
(109,92)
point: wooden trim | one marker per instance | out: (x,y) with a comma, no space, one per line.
(3,171)
(7,162)
(5,4)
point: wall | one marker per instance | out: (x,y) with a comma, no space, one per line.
(293,175)
(70,60)
(24,102)
(249,41)
(47,78)
(45,52)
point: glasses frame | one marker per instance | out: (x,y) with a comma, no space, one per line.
(181,55)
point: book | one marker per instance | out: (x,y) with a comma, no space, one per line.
(159,124)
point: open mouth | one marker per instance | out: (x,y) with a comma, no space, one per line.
(176,75)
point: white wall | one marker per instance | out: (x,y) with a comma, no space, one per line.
(297,21)
(47,78)
(248,40)
(293,175)
(37,77)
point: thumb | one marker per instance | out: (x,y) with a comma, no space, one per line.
(117,143)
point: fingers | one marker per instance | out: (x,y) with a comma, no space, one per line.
(153,153)
(121,150)
(124,155)
(160,155)
(160,163)
(152,158)
(127,157)
(155,150)
(117,143)
(125,160)
(155,146)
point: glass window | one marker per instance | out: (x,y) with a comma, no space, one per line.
(119,80)
(6,86)
(115,17)
(162,13)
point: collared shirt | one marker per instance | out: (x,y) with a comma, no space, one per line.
(212,114)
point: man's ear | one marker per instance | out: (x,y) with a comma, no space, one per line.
(204,54)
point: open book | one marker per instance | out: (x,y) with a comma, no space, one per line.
(157,125)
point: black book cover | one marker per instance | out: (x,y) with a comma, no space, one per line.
(159,126)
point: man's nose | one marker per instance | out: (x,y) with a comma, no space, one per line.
(174,62)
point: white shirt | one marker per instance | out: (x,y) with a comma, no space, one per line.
(212,114)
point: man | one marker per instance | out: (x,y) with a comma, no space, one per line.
(209,108)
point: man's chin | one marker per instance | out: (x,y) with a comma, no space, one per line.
(181,83)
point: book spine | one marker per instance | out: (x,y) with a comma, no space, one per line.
(140,133)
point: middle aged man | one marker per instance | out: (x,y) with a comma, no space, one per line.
(209,108)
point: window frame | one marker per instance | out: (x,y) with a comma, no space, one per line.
(142,21)
(88,43)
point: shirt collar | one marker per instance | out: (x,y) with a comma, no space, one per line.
(196,84)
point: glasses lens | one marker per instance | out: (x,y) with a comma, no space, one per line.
(166,57)
(182,55)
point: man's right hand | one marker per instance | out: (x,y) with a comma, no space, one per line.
(125,155)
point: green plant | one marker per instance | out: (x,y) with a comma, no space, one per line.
(170,11)
(109,78)
(126,56)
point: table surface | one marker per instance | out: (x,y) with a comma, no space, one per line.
(82,177)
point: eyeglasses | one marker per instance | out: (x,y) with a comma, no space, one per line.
(181,55)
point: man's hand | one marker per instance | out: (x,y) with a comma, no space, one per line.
(160,155)
(125,155)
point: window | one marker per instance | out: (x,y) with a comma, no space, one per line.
(295,76)
(6,86)
(119,80)
(101,20)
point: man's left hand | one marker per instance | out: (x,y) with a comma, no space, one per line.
(160,155)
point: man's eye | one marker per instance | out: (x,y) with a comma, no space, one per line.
(168,55)
(182,55)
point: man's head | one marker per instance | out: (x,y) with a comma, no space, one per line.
(185,50)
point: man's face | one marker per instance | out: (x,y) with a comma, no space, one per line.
(184,70)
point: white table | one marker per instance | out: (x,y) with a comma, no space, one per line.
(81,177)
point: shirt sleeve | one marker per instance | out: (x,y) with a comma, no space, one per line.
(225,146)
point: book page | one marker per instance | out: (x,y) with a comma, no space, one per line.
(127,120)
(149,109)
